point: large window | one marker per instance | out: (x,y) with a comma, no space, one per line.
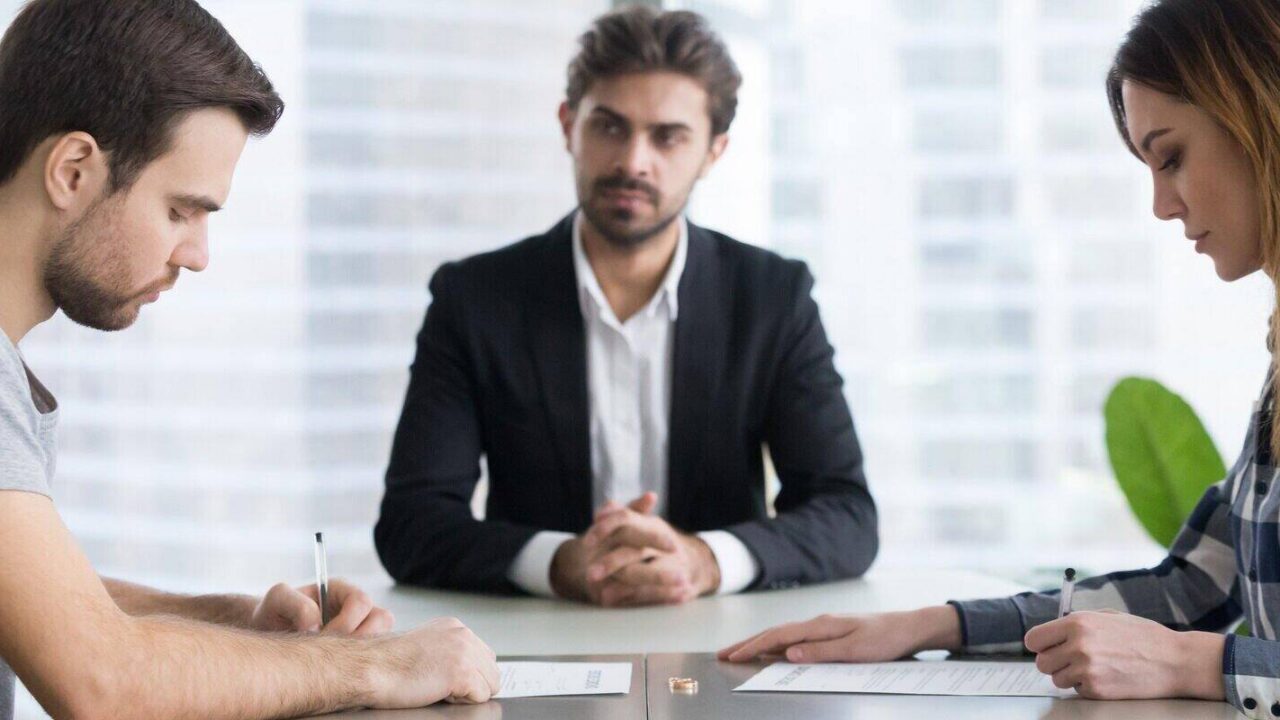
(256,403)
(987,262)
(986,259)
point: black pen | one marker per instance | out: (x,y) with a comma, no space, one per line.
(322,579)
(1068,586)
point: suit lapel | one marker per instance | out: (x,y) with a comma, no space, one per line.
(559,351)
(698,365)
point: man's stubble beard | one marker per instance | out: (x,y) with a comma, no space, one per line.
(84,278)
(628,239)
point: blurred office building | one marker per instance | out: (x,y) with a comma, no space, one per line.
(986,259)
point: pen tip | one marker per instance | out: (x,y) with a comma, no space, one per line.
(1071,573)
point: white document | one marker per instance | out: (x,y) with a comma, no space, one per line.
(545,679)
(941,677)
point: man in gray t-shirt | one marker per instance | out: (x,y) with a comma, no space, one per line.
(28,418)
(121,124)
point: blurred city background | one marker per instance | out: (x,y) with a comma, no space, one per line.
(986,257)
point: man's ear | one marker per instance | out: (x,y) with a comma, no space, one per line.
(719,144)
(76,171)
(567,116)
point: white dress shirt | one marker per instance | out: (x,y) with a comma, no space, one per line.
(629,369)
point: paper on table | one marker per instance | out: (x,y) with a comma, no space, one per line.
(545,679)
(912,677)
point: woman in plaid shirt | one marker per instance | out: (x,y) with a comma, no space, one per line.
(1195,92)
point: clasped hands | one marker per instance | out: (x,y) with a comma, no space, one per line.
(631,557)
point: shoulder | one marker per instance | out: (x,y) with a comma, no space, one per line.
(527,258)
(767,274)
(16,405)
(24,461)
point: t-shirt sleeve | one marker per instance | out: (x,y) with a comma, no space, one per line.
(24,464)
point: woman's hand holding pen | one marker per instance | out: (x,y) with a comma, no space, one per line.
(1113,656)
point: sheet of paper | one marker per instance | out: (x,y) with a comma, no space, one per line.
(942,677)
(545,679)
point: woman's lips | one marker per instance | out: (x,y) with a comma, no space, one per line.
(1199,240)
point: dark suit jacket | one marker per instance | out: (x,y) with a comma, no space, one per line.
(501,372)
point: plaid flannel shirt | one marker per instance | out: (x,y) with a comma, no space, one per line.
(1223,565)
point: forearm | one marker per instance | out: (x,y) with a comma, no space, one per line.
(1175,594)
(934,628)
(139,600)
(439,544)
(173,668)
(828,536)
(998,625)
(1202,675)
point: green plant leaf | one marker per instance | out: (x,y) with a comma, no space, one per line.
(1161,454)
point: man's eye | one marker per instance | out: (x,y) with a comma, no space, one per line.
(175,216)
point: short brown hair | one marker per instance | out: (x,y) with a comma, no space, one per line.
(640,39)
(124,71)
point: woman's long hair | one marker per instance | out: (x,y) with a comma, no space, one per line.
(1223,56)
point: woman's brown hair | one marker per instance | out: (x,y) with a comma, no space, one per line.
(1223,56)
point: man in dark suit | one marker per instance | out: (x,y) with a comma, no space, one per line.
(628,356)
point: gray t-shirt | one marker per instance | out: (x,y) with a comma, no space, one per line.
(28,419)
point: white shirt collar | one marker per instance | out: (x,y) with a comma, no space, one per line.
(592,296)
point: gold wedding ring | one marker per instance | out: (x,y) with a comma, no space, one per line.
(683,685)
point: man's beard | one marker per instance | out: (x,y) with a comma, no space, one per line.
(86,280)
(606,222)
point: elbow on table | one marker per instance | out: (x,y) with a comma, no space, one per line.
(108,696)
(83,706)
(388,541)
(407,557)
(860,546)
(98,691)
(860,561)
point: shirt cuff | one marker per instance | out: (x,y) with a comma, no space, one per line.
(1249,675)
(990,626)
(738,567)
(531,570)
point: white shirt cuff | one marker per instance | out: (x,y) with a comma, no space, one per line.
(531,570)
(738,567)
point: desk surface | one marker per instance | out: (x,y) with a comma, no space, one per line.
(536,626)
(680,639)
(715,700)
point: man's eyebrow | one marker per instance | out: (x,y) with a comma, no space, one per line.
(620,118)
(672,126)
(611,114)
(196,202)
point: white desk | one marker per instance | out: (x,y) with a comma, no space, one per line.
(529,626)
(534,626)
